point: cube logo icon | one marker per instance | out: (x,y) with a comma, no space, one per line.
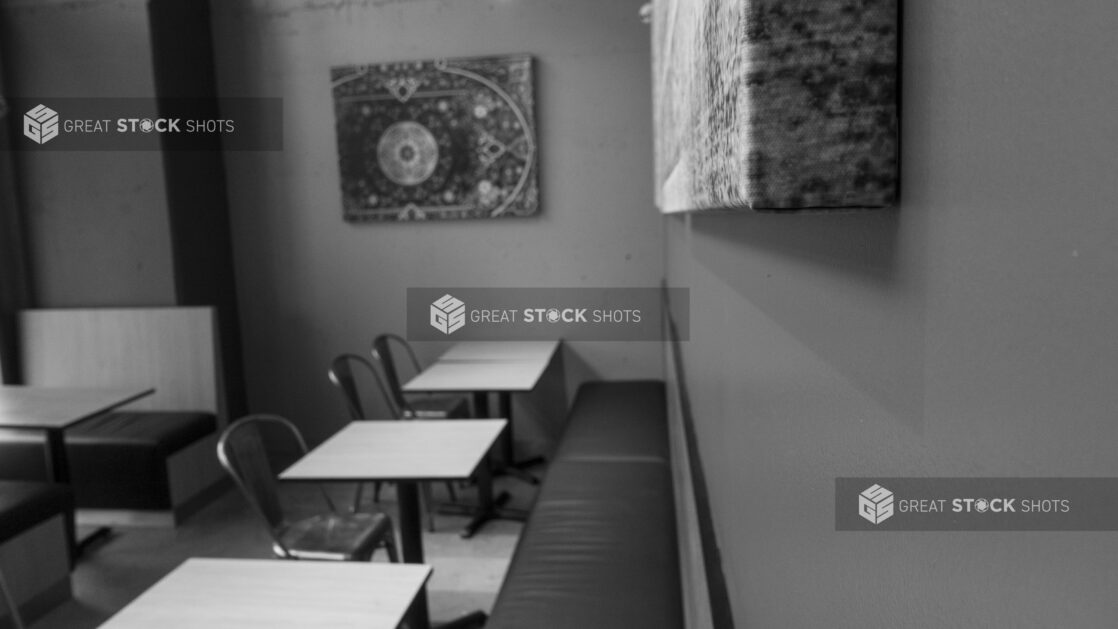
(41,124)
(876,504)
(448,314)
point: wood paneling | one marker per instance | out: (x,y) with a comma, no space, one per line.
(173,350)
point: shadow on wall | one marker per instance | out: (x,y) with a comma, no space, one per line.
(837,283)
(862,244)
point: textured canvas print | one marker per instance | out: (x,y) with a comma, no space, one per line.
(775,104)
(439,139)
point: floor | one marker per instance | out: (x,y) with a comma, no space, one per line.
(467,572)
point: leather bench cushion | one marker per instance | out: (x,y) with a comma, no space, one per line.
(599,551)
(166,431)
(23,455)
(119,460)
(23,505)
(617,421)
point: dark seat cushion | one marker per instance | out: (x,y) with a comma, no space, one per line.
(167,432)
(599,551)
(23,455)
(119,460)
(24,505)
(617,421)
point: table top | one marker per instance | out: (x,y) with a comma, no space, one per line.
(487,375)
(501,350)
(399,450)
(59,407)
(275,594)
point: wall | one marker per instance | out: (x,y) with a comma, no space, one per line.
(122,228)
(197,205)
(98,232)
(13,262)
(969,333)
(312,286)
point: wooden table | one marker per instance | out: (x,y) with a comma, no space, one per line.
(276,594)
(482,375)
(407,453)
(502,350)
(482,368)
(53,410)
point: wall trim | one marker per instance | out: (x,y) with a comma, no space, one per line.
(716,611)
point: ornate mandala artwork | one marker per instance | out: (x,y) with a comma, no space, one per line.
(449,138)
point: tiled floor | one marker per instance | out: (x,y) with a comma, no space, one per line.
(467,572)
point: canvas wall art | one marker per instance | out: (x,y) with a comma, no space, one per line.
(437,139)
(777,105)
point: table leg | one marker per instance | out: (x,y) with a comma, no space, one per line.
(488,507)
(481,405)
(481,411)
(411,543)
(56,446)
(513,467)
(411,547)
(411,535)
(60,473)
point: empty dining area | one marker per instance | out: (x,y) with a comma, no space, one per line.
(557,314)
(432,496)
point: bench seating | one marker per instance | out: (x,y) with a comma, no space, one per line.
(36,530)
(599,549)
(125,460)
(615,422)
(152,462)
(23,455)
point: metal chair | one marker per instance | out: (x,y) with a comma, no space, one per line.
(328,536)
(421,406)
(10,602)
(342,375)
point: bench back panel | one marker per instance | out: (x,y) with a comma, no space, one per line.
(172,349)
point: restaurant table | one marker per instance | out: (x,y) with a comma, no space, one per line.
(277,594)
(408,453)
(501,350)
(481,368)
(53,410)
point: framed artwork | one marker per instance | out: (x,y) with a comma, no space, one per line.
(437,139)
(774,105)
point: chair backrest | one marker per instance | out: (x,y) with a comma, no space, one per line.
(10,603)
(243,454)
(342,375)
(388,358)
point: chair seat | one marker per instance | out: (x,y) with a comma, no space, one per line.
(24,504)
(439,406)
(336,536)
